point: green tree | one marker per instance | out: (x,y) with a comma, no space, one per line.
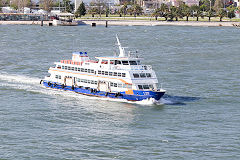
(221,13)
(231,11)
(81,11)
(164,10)
(172,12)
(196,11)
(136,10)
(186,11)
(123,9)
(210,14)
(67,5)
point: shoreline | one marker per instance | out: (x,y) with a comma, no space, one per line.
(133,23)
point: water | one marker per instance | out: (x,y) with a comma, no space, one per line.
(198,118)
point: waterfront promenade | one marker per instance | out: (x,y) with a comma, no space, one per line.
(133,23)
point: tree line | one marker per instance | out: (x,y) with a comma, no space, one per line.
(203,10)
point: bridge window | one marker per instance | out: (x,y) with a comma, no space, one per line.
(135,75)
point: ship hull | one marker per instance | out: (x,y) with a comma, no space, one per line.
(136,96)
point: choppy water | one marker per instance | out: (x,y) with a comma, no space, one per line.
(198,118)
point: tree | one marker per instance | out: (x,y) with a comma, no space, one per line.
(164,10)
(136,10)
(231,11)
(187,11)
(172,12)
(123,9)
(197,11)
(67,5)
(221,13)
(81,11)
(210,14)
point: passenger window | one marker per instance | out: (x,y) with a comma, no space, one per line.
(119,85)
(148,75)
(106,73)
(142,75)
(99,72)
(85,70)
(133,62)
(79,69)
(115,74)
(75,68)
(110,73)
(125,62)
(89,70)
(119,74)
(145,87)
(82,69)
(123,74)
(118,62)
(140,86)
(115,84)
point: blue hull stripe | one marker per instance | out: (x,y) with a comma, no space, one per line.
(137,96)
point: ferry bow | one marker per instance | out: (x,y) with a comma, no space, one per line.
(121,77)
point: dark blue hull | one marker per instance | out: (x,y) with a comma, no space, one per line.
(136,96)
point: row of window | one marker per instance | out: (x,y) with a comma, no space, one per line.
(117,62)
(118,74)
(142,75)
(76,69)
(145,86)
(118,85)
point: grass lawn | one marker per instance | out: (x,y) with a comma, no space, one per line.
(148,18)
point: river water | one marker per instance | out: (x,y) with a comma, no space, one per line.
(198,118)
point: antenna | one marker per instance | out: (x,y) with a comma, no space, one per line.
(121,49)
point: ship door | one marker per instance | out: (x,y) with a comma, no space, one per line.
(103,86)
(69,81)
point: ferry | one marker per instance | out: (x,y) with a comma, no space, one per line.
(118,77)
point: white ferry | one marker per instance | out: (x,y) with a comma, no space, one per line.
(119,77)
